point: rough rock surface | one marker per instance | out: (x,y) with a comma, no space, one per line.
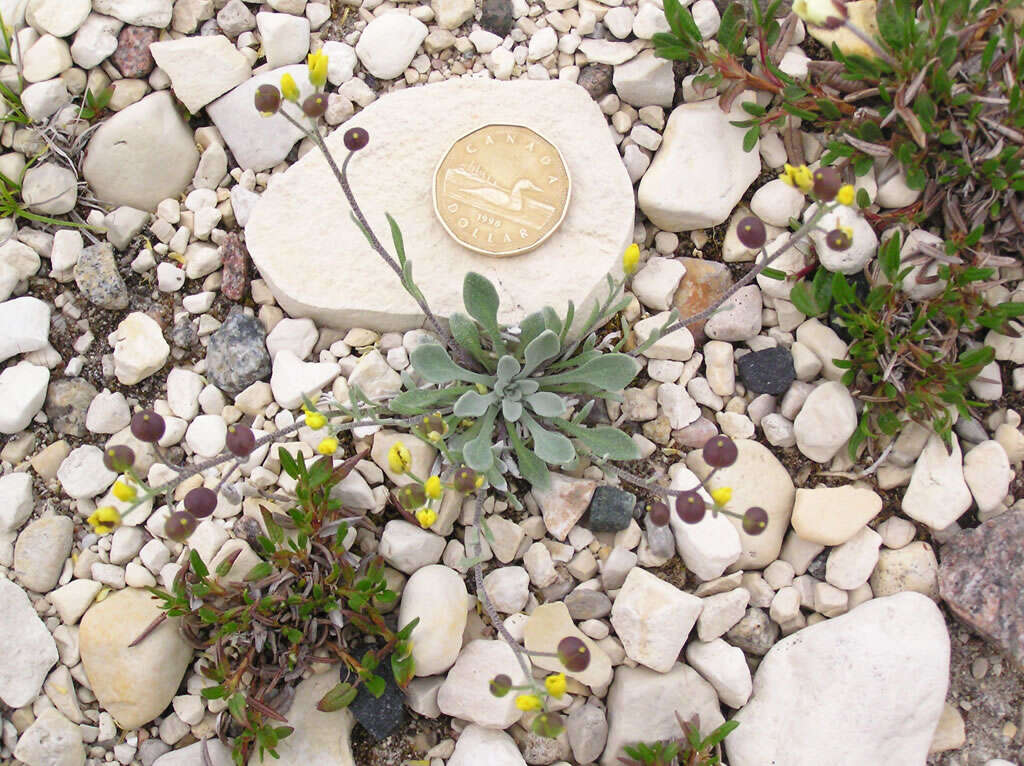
(981,577)
(29,650)
(813,702)
(354,288)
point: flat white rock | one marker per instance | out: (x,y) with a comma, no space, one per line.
(643,704)
(201,68)
(437,596)
(83,474)
(15,500)
(757,478)
(723,666)
(29,649)
(141,13)
(24,326)
(143,154)
(708,547)
(408,548)
(139,348)
(937,494)
(387,45)
(808,709)
(466,693)
(653,618)
(477,745)
(51,740)
(700,171)
(59,18)
(987,473)
(22,392)
(827,419)
(354,288)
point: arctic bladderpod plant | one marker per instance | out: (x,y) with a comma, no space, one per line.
(521,389)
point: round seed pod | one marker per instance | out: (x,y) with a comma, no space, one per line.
(267,99)
(690,506)
(240,440)
(751,232)
(180,525)
(755,520)
(200,502)
(356,139)
(720,451)
(147,426)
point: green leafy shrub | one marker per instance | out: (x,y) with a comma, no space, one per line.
(299,607)
(689,750)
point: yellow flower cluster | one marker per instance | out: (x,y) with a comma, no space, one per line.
(327,446)
(426,517)
(317,68)
(722,495)
(399,458)
(123,490)
(104,519)
(798,176)
(314,419)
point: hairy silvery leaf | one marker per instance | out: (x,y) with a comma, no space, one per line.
(508,368)
(528,386)
(465,332)
(609,372)
(421,400)
(551,319)
(533,469)
(477,452)
(550,447)
(511,409)
(431,360)
(472,404)
(530,328)
(604,441)
(481,301)
(542,348)
(546,404)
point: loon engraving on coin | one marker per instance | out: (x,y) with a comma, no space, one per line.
(501,190)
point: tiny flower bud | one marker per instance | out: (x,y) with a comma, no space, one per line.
(826,183)
(528,702)
(327,446)
(555,684)
(630,259)
(500,685)
(399,458)
(433,488)
(119,458)
(574,654)
(658,512)
(837,239)
(751,232)
(412,496)
(690,506)
(426,517)
(433,428)
(288,88)
(356,139)
(467,480)
(315,105)
(845,195)
(267,100)
(720,451)
(755,520)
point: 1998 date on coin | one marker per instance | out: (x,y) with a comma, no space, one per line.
(501,190)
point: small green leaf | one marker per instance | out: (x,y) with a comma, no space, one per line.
(481,301)
(431,360)
(375,685)
(533,469)
(609,372)
(473,404)
(546,404)
(477,452)
(750,138)
(541,349)
(604,441)
(258,572)
(287,462)
(801,297)
(549,446)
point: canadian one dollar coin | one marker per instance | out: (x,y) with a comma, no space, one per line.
(501,190)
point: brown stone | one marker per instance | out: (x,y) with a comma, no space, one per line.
(236,267)
(132,57)
(981,578)
(704,283)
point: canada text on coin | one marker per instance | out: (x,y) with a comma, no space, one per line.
(501,190)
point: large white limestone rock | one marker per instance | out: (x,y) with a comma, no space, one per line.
(701,171)
(343,283)
(866,687)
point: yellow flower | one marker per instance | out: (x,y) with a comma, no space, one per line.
(314,419)
(555,684)
(104,519)
(288,87)
(845,195)
(798,176)
(123,491)
(327,446)
(815,12)
(528,702)
(722,495)
(317,68)
(433,488)
(630,259)
(399,458)
(426,517)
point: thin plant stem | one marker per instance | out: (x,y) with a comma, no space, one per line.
(799,234)
(341,176)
